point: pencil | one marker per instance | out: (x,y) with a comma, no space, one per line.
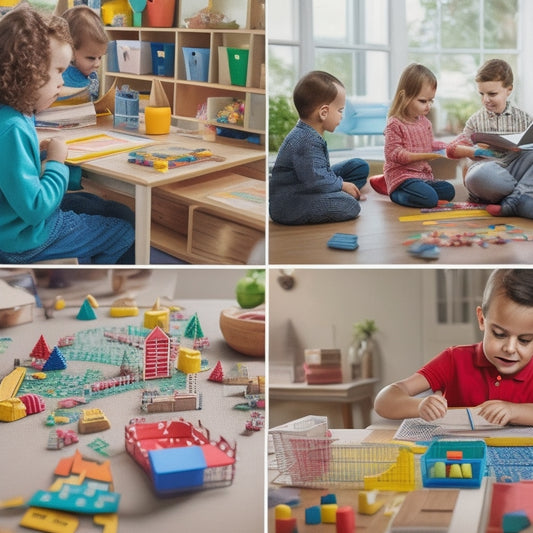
(470,419)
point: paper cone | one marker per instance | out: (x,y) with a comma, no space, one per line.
(158,98)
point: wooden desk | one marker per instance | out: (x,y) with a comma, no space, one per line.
(359,392)
(468,514)
(113,177)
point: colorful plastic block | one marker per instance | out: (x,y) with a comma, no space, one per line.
(33,402)
(328,498)
(56,361)
(282,511)
(11,410)
(286,525)
(49,520)
(367,503)
(177,468)
(328,513)
(86,311)
(77,499)
(345,519)
(189,360)
(313,515)
(515,522)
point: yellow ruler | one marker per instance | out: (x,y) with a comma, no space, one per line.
(446,215)
(509,441)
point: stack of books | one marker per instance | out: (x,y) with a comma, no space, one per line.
(322,366)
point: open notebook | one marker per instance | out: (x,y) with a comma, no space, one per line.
(457,423)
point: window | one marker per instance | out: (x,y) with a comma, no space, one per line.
(348,38)
(453,38)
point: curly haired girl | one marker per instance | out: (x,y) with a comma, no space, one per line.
(38,221)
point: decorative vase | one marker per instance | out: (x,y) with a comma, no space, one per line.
(366,357)
(354,359)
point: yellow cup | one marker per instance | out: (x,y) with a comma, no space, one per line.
(157,120)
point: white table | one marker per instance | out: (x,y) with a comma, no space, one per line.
(28,465)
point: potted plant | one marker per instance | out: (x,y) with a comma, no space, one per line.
(361,350)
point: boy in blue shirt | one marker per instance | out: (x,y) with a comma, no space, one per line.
(304,187)
(90,44)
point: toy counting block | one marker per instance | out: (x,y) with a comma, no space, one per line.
(285,522)
(345,519)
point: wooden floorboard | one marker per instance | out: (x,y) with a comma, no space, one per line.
(381,238)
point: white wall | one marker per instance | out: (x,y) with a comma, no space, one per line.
(325,303)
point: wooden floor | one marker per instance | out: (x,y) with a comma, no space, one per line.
(381,238)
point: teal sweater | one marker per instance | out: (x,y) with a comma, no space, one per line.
(29,195)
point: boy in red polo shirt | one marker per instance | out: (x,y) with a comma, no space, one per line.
(495,375)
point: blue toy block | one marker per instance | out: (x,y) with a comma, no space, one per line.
(515,522)
(77,499)
(343,241)
(86,312)
(313,515)
(56,361)
(328,498)
(177,468)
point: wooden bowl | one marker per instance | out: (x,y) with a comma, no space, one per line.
(244,330)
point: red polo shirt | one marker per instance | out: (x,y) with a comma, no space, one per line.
(468,379)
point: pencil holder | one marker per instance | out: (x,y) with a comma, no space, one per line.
(126,109)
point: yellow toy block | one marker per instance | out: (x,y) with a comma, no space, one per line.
(282,511)
(367,503)
(455,471)
(328,513)
(466,470)
(189,360)
(41,519)
(157,316)
(109,521)
(92,301)
(10,385)
(11,410)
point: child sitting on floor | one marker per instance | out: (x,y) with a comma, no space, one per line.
(304,188)
(492,181)
(90,44)
(38,221)
(495,376)
(409,144)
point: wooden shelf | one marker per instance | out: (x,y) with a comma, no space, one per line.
(187,95)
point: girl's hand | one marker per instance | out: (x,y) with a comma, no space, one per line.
(351,189)
(56,149)
(496,412)
(433,407)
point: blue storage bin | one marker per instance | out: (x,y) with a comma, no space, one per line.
(163,59)
(196,63)
(474,453)
(363,118)
(112,57)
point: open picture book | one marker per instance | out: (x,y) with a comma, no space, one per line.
(460,422)
(506,141)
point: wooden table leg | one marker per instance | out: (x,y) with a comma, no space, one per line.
(347,415)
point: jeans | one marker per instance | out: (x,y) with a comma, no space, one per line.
(415,192)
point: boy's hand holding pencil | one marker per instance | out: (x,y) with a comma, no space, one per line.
(433,407)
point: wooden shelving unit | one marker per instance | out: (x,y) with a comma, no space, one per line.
(187,95)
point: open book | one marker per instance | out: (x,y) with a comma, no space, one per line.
(66,116)
(456,423)
(506,141)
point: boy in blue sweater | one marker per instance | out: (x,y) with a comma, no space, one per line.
(304,187)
